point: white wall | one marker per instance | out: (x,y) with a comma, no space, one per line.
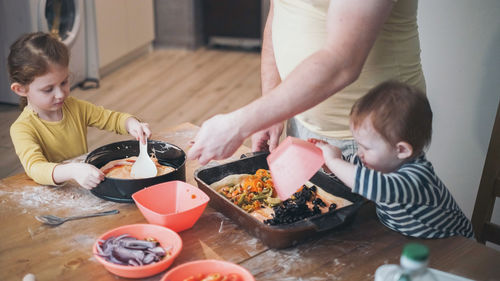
(460,41)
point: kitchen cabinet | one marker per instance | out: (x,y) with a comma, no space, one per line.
(232,18)
(125,28)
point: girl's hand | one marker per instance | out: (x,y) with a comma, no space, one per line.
(86,175)
(137,129)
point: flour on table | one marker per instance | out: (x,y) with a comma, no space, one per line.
(82,242)
(41,198)
(69,196)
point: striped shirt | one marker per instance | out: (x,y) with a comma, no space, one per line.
(412,200)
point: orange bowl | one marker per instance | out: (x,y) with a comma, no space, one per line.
(183,271)
(174,204)
(292,163)
(166,237)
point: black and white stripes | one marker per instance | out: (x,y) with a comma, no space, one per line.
(412,200)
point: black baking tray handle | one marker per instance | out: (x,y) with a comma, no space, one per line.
(254,153)
(341,217)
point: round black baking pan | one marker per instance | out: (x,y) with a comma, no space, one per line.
(121,190)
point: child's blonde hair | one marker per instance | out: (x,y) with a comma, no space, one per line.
(399,112)
(31,55)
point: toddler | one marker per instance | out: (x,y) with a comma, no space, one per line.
(392,125)
(53,126)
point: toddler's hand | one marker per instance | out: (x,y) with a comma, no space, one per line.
(330,152)
(315,141)
(87,175)
(139,130)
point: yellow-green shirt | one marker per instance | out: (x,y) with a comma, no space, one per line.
(299,29)
(41,144)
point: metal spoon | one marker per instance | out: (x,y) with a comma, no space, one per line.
(54,220)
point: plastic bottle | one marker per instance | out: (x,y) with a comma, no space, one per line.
(413,266)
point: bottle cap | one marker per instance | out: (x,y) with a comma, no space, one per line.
(416,252)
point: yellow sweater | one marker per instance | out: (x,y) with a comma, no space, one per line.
(299,29)
(41,144)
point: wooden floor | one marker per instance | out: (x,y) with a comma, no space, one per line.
(163,88)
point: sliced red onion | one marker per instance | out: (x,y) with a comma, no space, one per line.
(149,258)
(127,250)
(124,254)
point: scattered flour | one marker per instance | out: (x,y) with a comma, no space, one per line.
(221,224)
(70,196)
(83,242)
(56,253)
(47,198)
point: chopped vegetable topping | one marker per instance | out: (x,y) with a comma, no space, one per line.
(257,191)
(253,192)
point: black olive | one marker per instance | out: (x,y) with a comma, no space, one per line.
(332,207)
(295,208)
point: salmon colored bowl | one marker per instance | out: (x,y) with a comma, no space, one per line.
(194,269)
(174,204)
(292,164)
(167,238)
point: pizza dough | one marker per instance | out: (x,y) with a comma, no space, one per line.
(265,212)
(120,169)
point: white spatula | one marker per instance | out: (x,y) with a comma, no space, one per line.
(143,166)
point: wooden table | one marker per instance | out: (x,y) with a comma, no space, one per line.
(64,252)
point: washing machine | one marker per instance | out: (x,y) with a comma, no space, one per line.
(73,21)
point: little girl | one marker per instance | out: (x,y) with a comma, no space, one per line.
(53,126)
(392,124)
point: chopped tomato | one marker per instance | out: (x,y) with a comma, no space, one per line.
(233,277)
(214,277)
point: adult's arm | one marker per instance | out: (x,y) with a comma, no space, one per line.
(268,138)
(352,28)
(269,74)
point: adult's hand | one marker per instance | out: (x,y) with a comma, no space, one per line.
(267,139)
(218,138)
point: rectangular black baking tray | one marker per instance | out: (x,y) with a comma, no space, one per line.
(277,236)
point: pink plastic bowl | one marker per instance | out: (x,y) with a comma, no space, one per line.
(174,204)
(292,164)
(183,271)
(166,237)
